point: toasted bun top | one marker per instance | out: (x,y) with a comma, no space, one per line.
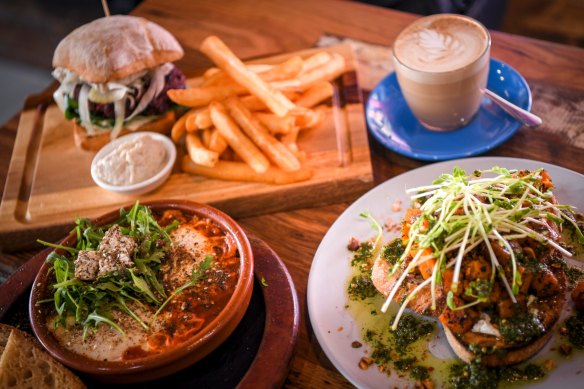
(114,47)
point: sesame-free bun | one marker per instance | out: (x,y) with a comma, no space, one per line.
(162,124)
(114,47)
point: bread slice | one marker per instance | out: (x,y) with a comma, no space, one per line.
(511,357)
(422,304)
(114,47)
(549,311)
(162,125)
(5,331)
(24,365)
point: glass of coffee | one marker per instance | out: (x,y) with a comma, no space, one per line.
(442,63)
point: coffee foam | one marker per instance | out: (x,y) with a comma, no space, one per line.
(440,44)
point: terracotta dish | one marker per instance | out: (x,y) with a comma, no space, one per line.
(175,358)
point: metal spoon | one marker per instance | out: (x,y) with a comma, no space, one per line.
(526,118)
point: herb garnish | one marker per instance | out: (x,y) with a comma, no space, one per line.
(196,276)
(460,212)
(90,303)
(263,282)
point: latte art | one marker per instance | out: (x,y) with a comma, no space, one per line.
(442,62)
(438,45)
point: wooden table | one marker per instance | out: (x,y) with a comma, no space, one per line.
(262,27)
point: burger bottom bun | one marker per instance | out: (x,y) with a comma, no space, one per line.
(162,124)
(512,356)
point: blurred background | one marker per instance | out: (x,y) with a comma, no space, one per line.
(31,29)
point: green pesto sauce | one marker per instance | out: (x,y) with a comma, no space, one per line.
(396,351)
(420,373)
(361,287)
(363,255)
(399,350)
(521,329)
(392,251)
(575,326)
(474,375)
(574,274)
(411,329)
(405,351)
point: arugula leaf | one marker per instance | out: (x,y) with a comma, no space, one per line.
(96,319)
(141,284)
(90,301)
(70,250)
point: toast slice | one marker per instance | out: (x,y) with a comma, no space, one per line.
(5,331)
(24,365)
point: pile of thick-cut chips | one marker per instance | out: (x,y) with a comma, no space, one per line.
(244,120)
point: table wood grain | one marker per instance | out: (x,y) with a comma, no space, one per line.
(262,27)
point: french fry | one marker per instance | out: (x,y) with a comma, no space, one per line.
(239,171)
(283,71)
(274,150)
(198,153)
(205,138)
(200,96)
(315,61)
(309,118)
(256,68)
(328,72)
(179,127)
(224,58)
(236,139)
(314,95)
(289,140)
(276,124)
(219,77)
(190,122)
(211,72)
(203,119)
(216,142)
(254,104)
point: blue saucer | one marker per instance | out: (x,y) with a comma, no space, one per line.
(392,123)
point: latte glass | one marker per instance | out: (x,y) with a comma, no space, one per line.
(442,63)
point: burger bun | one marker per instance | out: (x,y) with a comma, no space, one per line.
(114,47)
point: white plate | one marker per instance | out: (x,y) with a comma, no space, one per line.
(335,328)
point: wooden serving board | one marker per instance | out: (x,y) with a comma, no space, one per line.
(49,181)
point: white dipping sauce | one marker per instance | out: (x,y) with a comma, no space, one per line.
(132,162)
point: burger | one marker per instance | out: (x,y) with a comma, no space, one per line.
(114,74)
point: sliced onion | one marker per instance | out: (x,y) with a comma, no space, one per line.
(84,109)
(68,81)
(120,110)
(59,98)
(107,95)
(156,85)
